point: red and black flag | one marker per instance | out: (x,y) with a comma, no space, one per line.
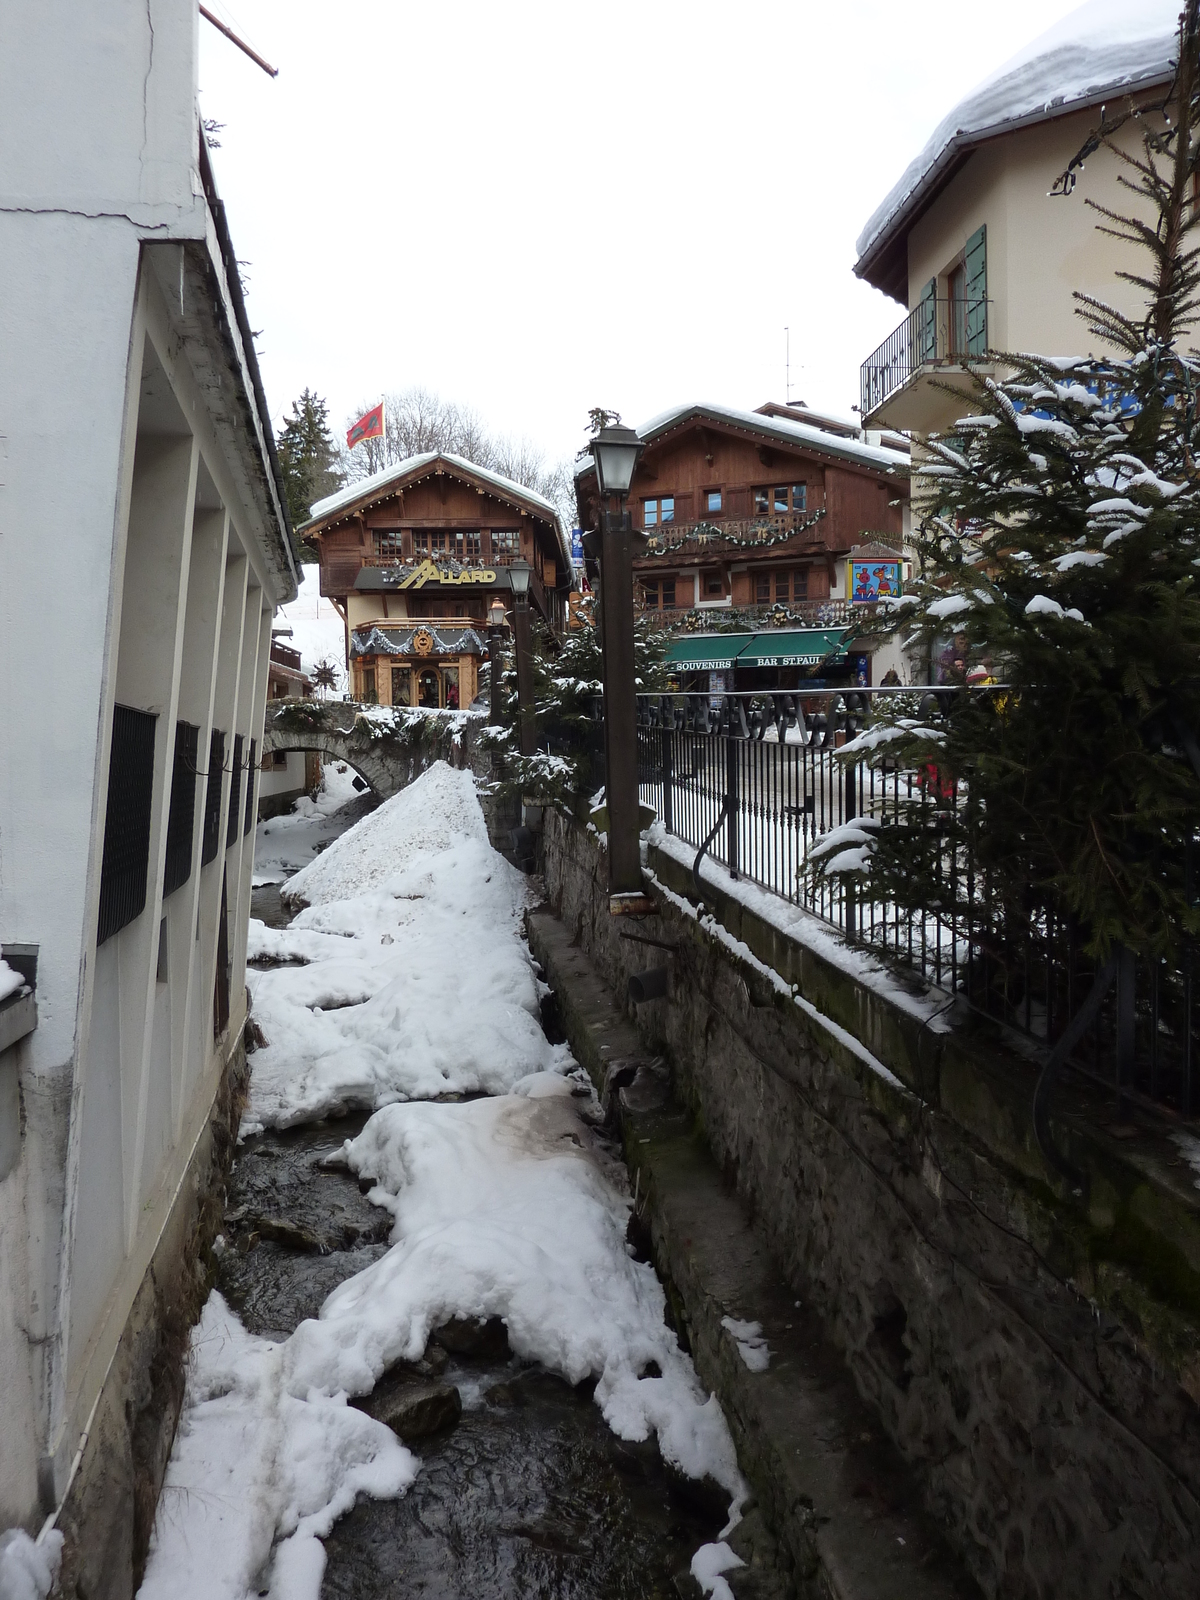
(367,427)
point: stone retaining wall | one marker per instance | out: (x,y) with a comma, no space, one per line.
(1033,1353)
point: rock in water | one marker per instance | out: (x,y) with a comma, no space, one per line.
(488,1341)
(413,1410)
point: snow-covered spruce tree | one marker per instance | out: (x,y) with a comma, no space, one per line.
(1061,548)
(568,682)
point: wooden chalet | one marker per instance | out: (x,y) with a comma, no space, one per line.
(754,519)
(413,557)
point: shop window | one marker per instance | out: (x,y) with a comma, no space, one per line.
(466,544)
(387,545)
(211,838)
(369,692)
(235,793)
(181,820)
(127,821)
(450,688)
(401,686)
(659,510)
(427,688)
(506,544)
(713,500)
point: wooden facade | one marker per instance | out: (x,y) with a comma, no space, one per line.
(756,509)
(413,559)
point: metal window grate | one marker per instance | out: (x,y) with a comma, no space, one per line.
(251,770)
(181,822)
(212,798)
(126,821)
(235,794)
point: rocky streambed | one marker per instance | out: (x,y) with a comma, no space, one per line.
(523,1489)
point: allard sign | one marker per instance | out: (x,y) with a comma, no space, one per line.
(427,572)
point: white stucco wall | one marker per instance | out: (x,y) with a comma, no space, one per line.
(136,542)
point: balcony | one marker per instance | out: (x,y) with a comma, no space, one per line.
(935,341)
(725,619)
(735,532)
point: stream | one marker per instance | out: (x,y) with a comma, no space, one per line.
(524,1492)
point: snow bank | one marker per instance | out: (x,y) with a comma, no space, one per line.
(28,1568)
(10,980)
(505,1207)
(259,1474)
(285,843)
(432,814)
(429,989)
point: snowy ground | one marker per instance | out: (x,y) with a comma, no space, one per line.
(284,844)
(409,977)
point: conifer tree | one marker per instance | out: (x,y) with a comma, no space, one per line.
(1061,537)
(307,456)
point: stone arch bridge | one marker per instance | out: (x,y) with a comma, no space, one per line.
(387,748)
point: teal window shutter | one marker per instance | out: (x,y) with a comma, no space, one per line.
(926,329)
(975,261)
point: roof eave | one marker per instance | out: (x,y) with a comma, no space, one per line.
(871,266)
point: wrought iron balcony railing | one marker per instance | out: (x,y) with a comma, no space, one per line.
(937,333)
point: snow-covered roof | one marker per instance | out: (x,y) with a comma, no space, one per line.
(781,428)
(381,483)
(1103,46)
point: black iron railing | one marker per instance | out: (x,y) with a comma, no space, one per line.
(757,777)
(936,333)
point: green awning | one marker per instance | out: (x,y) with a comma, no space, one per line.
(712,652)
(785,647)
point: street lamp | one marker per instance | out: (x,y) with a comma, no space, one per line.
(615,451)
(519,574)
(495,636)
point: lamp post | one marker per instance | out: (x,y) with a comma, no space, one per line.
(519,574)
(495,634)
(615,452)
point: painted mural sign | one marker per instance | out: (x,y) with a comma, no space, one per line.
(872,581)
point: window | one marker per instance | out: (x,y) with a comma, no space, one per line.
(659,510)
(650,593)
(369,693)
(126,821)
(712,500)
(800,584)
(956,293)
(783,586)
(714,584)
(762,588)
(430,542)
(466,544)
(235,793)
(778,501)
(212,798)
(401,686)
(668,594)
(387,545)
(181,819)
(506,544)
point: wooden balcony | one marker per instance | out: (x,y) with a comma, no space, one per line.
(717,535)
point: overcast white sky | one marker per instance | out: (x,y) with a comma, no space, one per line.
(541,206)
